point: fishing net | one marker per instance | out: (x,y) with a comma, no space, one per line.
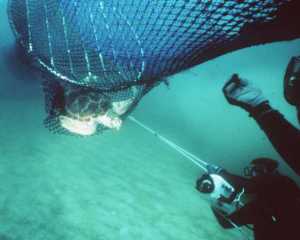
(113,45)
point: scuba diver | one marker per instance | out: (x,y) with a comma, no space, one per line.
(282,134)
(272,209)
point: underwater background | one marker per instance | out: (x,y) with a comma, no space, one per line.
(128,184)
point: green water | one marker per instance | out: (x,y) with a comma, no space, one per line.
(128,184)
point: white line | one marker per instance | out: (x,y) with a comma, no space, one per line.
(197,161)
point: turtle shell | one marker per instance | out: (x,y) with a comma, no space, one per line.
(80,104)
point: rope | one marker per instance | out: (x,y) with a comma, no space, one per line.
(197,161)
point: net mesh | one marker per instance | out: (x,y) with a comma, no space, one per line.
(112,45)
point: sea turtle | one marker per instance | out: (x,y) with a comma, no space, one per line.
(85,104)
(85,109)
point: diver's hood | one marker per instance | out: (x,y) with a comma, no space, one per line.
(292,82)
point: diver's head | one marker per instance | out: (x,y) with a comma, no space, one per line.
(205,184)
(292,83)
(261,166)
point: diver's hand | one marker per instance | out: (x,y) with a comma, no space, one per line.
(213,169)
(238,92)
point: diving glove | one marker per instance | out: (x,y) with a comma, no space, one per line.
(239,92)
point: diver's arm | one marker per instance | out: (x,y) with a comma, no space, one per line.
(222,218)
(283,135)
(236,181)
(245,215)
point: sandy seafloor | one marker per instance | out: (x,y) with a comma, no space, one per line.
(128,184)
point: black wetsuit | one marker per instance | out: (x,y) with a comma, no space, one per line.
(275,210)
(283,135)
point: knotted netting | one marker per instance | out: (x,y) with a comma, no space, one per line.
(113,45)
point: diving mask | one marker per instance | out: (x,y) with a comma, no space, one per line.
(292,82)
